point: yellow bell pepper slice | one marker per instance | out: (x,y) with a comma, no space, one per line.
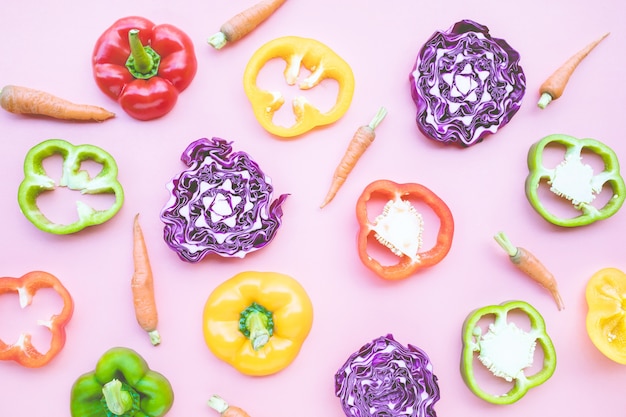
(606,316)
(321,61)
(257,321)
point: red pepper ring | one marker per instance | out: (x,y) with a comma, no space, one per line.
(23,351)
(397,194)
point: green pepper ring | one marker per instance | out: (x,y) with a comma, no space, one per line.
(590,214)
(521,385)
(36,181)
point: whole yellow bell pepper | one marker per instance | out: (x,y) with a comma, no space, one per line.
(606,318)
(257,321)
(321,61)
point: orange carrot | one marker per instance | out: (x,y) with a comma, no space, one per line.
(24,100)
(553,87)
(245,22)
(362,139)
(531,266)
(142,285)
(218,404)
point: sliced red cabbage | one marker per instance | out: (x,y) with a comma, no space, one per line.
(466,84)
(384,378)
(222,204)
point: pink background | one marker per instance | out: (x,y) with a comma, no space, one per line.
(47,45)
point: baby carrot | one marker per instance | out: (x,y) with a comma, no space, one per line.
(218,404)
(24,100)
(245,22)
(553,87)
(362,139)
(531,266)
(142,285)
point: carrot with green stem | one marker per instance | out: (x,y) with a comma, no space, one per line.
(218,404)
(362,139)
(28,101)
(553,87)
(531,266)
(142,285)
(245,22)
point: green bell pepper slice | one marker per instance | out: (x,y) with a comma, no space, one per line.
(505,350)
(121,385)
(36,181)
(574,180)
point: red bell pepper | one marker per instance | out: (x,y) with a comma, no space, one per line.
(400,228)
(144,66)
(23,351)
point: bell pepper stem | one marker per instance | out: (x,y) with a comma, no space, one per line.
(143,61)
(118,401)
(259,335)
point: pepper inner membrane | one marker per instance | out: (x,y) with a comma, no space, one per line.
(26,320)
(59,205)
(271,78)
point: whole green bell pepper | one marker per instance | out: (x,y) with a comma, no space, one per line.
(574,180)
(506,350)
(121,385)
(36,181)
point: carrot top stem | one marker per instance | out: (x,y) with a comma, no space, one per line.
(143,61)
(380,115)
(218,404)
(506,244)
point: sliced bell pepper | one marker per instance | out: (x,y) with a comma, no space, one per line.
(574,180)
(121,385)
(144,66)
(36,181)
(400,228)
(606,318)
(257,321)
(506,350)
(321,61)
(23,351)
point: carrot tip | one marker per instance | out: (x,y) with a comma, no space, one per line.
(218,40)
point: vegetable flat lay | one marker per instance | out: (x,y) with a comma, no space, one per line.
(289,213)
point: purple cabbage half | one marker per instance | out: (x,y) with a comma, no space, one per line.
(386,379)
(222,204)
(466,84)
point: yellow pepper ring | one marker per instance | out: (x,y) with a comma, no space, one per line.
(316,57)
(257,321)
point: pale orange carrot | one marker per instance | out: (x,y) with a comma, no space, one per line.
(362,139)
(245,22)
(142,285)
(526,262)
(553,87)
(218,404)
(24,100)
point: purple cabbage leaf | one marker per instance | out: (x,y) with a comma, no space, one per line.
(386,379)
(222,204)
(466,84)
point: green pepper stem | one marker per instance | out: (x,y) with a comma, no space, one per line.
(118,401)
(143,61)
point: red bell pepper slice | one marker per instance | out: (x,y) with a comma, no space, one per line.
(144,66)
(401,194)
(23,351)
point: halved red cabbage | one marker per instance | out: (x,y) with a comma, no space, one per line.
(222,204)
(466,84)
(384,378)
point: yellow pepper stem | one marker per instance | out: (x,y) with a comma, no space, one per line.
(257,324)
